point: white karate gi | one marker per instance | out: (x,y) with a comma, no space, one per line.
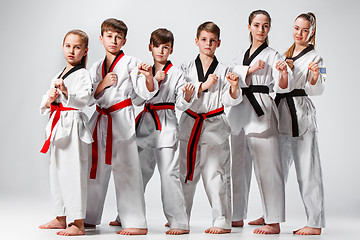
(125,159)
(213,151)
(70,146)
(255,139)
(159,146)
(303,149)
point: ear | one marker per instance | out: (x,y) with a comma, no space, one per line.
(218,45)
(86,50)
(171,50)
(124,41)
(101,39)
(150,47)
(197,42)
(249,27)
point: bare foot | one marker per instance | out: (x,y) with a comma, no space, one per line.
(133,231)
(268,229)
(54,224)
(72,231)
(259,221)
(177,231)
(237,223)
(217,230)
(115,223)
(308,231)
(167,225)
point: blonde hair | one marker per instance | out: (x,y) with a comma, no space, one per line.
(252,15)
(84,40)
(310,17)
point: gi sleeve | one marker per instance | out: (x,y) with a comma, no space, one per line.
(139,81)
(318,87)
(80,95)
(276,75)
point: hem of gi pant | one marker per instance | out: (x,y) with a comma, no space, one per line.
(235,218)
(316,225)
(88,221)
(274,220)
(179,226)
(224,224)
(142,225)
(73,217)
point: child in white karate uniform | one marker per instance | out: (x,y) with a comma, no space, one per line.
(157,130)
(68,136)
(117,80)
(298,127)
(254,125)
(204,131)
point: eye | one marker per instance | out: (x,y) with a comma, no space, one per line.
(78,47)
(305,30)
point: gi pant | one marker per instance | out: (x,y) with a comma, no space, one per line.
(172,195)
(213,164)
(68,176)
(262,150)
(128,185)
(304,152)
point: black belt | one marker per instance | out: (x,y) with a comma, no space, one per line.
(249,92)
(290,101)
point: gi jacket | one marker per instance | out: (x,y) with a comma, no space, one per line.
(305,109)
(78,84)
(170,91)
(130,83)
(244,115)
(216,129)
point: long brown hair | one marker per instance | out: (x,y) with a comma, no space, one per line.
(84,39)
(310,17)
(252,15)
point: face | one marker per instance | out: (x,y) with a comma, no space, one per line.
(259,28)
(113,41)
(302,32)
(207,43)
(161,53)
(74,49)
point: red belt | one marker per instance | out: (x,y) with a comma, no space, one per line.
(57,108)
(152,108)
(108,151)
(195,136)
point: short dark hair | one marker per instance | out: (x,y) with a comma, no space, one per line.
(208,27)
(114,25)
(161,36)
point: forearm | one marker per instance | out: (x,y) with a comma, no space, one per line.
(150,83)
(283,81)
(99,89)
(234,91)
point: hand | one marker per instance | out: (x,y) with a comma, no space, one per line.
(59,84)
(233,79)
(53,93)
(281,67)
(211,80)
(260,64)
(290,63)
(188,89)
(314,68)
(145,69)
(160,75)
(110,79)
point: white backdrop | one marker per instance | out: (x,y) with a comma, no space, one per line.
(31,54)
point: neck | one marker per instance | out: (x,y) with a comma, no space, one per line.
(159,65)
(299,48)
(110,57)
(256,44)
(206,58)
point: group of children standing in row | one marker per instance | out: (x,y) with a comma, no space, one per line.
(268,134)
